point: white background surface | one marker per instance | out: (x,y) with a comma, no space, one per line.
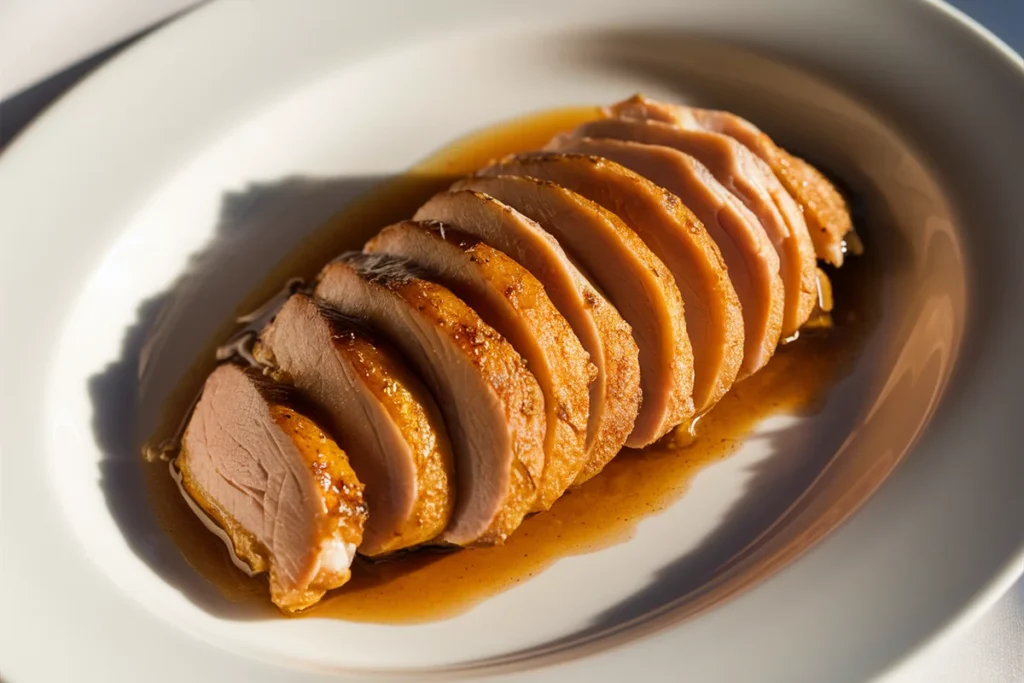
(39,38)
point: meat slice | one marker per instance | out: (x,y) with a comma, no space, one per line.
(750,257)
(749,180)
(714,321)
(512,301)
(635,280)
(615,391)
(825,211)
(275,483)
(492,405)
(380,412)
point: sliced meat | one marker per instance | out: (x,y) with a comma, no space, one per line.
(492,405)
(512,301)
(635,280)
(825,211)
(793,247)
(750,257)
(381,414)
(749,180)
(615,391)
(281,489)
(714,320)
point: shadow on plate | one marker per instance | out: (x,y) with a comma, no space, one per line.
(157,373)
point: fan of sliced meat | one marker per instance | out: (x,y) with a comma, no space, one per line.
(615,392)
(514,303)
(751,260)
(825,210)
(277,485)
(635,280)
(714,320)
(378,410)
(479,360)
(492,405)
(739,179)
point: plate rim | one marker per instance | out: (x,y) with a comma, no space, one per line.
(1000,580)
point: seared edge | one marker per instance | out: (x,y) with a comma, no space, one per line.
(499,367)
(514,302)
(635,281)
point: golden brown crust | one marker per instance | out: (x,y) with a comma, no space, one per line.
(615,402)
(676,237)
(246,546)
(343,511)
(509,378)
(522,493)
(719,288)
(825,210)
(798,261)
(749,255)
(497,363)
(825,220)
(489,352)
(591,234)
(803,260)
(480,275)
(680,402)
(391,393)
(622,384)
(569,361)
(416,416)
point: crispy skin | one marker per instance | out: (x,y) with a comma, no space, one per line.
(714,320)
(492,405)
(825,211)
(333,507)
(615,393)
(381,413)
(514,302)
(418,418)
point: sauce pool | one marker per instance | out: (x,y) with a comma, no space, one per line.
(427,585)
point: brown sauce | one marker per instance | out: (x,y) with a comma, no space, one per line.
(427,585)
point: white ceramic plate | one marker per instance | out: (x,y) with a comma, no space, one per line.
(153,197)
